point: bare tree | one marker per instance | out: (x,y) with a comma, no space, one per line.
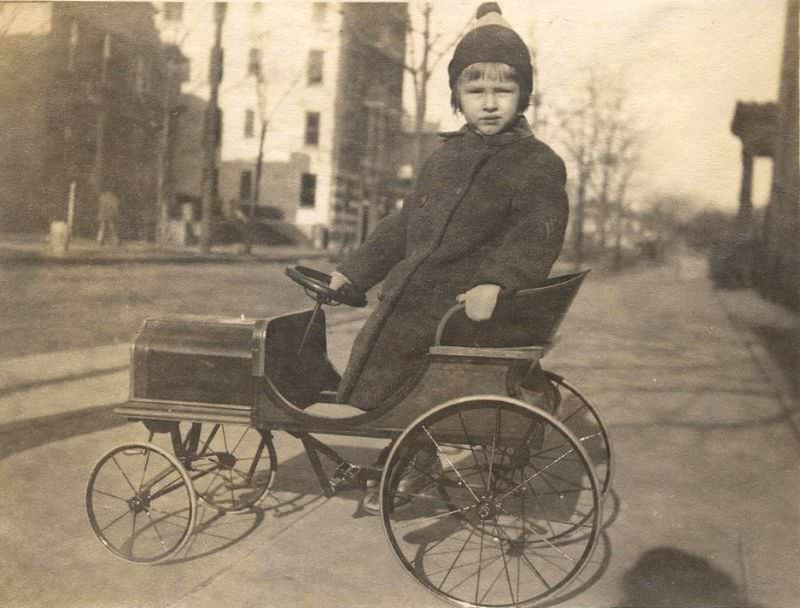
(211,128)
(602,142)
(261,101)
(424,50)
(579,131)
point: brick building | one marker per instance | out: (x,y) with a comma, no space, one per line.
(325,77)
(82,101)
(768,254)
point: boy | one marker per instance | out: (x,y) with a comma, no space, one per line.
(488,213)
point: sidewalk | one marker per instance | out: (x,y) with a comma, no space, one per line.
(703,510)
(35,249)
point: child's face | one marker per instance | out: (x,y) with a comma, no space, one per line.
(489,104)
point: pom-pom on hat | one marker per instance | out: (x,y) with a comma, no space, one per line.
(493,40)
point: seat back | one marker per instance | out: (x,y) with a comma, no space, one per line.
(528,317)
(299,374)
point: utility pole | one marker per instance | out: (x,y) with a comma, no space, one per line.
(423,75)
(212,128)
(162,173)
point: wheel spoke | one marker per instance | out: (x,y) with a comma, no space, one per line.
(489,484)
(471,445)
(536,499)
(418,520)
(449,462)
(457,557)
(480,561)
(542,538)
(144,470)
(505,569)
(155,529)
(124,475)
(115,520)
(535,475)
(114,496)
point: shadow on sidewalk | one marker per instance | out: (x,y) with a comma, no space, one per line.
(28,434)
(667,577)
(26,386)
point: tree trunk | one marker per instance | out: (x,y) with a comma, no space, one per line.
(211,129)
(259,162)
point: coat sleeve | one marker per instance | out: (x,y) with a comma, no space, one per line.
(384,248)
(532,243)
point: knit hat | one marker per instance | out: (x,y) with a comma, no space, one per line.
(493,40)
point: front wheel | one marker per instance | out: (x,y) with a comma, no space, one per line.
(478,497)
(232,466)
(141,503)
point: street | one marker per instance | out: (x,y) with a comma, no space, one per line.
(705,506)
(106,303)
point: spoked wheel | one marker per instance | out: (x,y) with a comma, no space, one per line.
(141,503)
(584,421)
(232,466)
(478,495)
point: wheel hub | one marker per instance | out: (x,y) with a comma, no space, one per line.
(486,509)
(226,460)
(139,503)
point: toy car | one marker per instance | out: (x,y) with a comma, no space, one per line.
(492,487)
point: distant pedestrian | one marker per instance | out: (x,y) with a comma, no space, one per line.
(107,217)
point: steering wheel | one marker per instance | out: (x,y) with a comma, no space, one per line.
(318,283)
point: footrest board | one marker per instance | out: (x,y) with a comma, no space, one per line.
(186,412)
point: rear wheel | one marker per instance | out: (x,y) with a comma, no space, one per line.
(584,421)
(141,503)
(477,497)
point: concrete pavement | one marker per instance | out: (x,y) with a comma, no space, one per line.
(704,511)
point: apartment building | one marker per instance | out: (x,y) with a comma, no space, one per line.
(321,82)
(81,110)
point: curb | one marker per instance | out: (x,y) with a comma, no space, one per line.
(15,257)
(767,364)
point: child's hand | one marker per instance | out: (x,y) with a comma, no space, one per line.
(337,280)
(479,302)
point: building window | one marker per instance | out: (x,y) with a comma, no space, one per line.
(72,46)
(139,76)
(308,190)
(249,123)
(106,56)
(318,12)
(312,128)
(254,62)
(315,67)
(246,186)
(173,11)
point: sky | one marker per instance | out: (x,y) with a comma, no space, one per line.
(684,64)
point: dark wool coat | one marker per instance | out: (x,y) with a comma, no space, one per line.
(486,209)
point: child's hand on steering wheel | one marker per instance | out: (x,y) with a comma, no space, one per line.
(479,302)
(338,280)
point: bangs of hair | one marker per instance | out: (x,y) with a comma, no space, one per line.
(490,70)
(498,72)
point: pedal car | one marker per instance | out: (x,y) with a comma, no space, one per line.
(491,493)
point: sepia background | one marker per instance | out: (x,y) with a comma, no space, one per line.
(240,137)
